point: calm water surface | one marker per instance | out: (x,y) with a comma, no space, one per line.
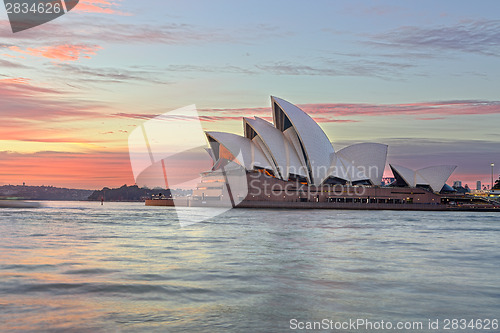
(123,267)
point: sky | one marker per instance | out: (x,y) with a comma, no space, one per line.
(420,76)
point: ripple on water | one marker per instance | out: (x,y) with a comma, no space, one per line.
(125,267)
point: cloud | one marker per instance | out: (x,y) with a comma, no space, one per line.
(22,101)
(66,52)
(144,33)
(37,118)
(211,69)
(479,36)
(205,116)
(21,87)
(108,30)
(331,67)
(99,6)
(56,41)
(283,68)
(10,64)
(109,74)
(348,113)
(143,116)
(15,80)
(344,112)
(440,108)
(245,112)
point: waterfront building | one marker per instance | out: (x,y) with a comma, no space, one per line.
(293,151)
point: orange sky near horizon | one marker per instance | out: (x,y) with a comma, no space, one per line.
(72,90)
(74,143)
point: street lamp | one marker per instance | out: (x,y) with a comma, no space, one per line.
(492,166)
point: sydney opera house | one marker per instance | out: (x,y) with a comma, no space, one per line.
(292,163)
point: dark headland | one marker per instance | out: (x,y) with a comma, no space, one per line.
(123,193)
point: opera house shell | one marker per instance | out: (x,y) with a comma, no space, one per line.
(295,148)
(432,177)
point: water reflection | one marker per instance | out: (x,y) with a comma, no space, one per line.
(126,267)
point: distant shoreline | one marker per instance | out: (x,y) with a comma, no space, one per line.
(124,193)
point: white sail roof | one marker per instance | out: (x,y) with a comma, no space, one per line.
(243,149)
(434,176)
(368,158)
(437,176)
(314,144)
(292,137)
(338,169)
(407,175)
(283,155)
(343,169)
(263,147)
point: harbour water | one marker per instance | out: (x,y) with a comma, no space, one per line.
(124,267)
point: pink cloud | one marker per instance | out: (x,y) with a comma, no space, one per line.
(440,108)
(342,112)
(99,6)
(15,80)
(25,105)
(65,52)
(144,116)
(21,87)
